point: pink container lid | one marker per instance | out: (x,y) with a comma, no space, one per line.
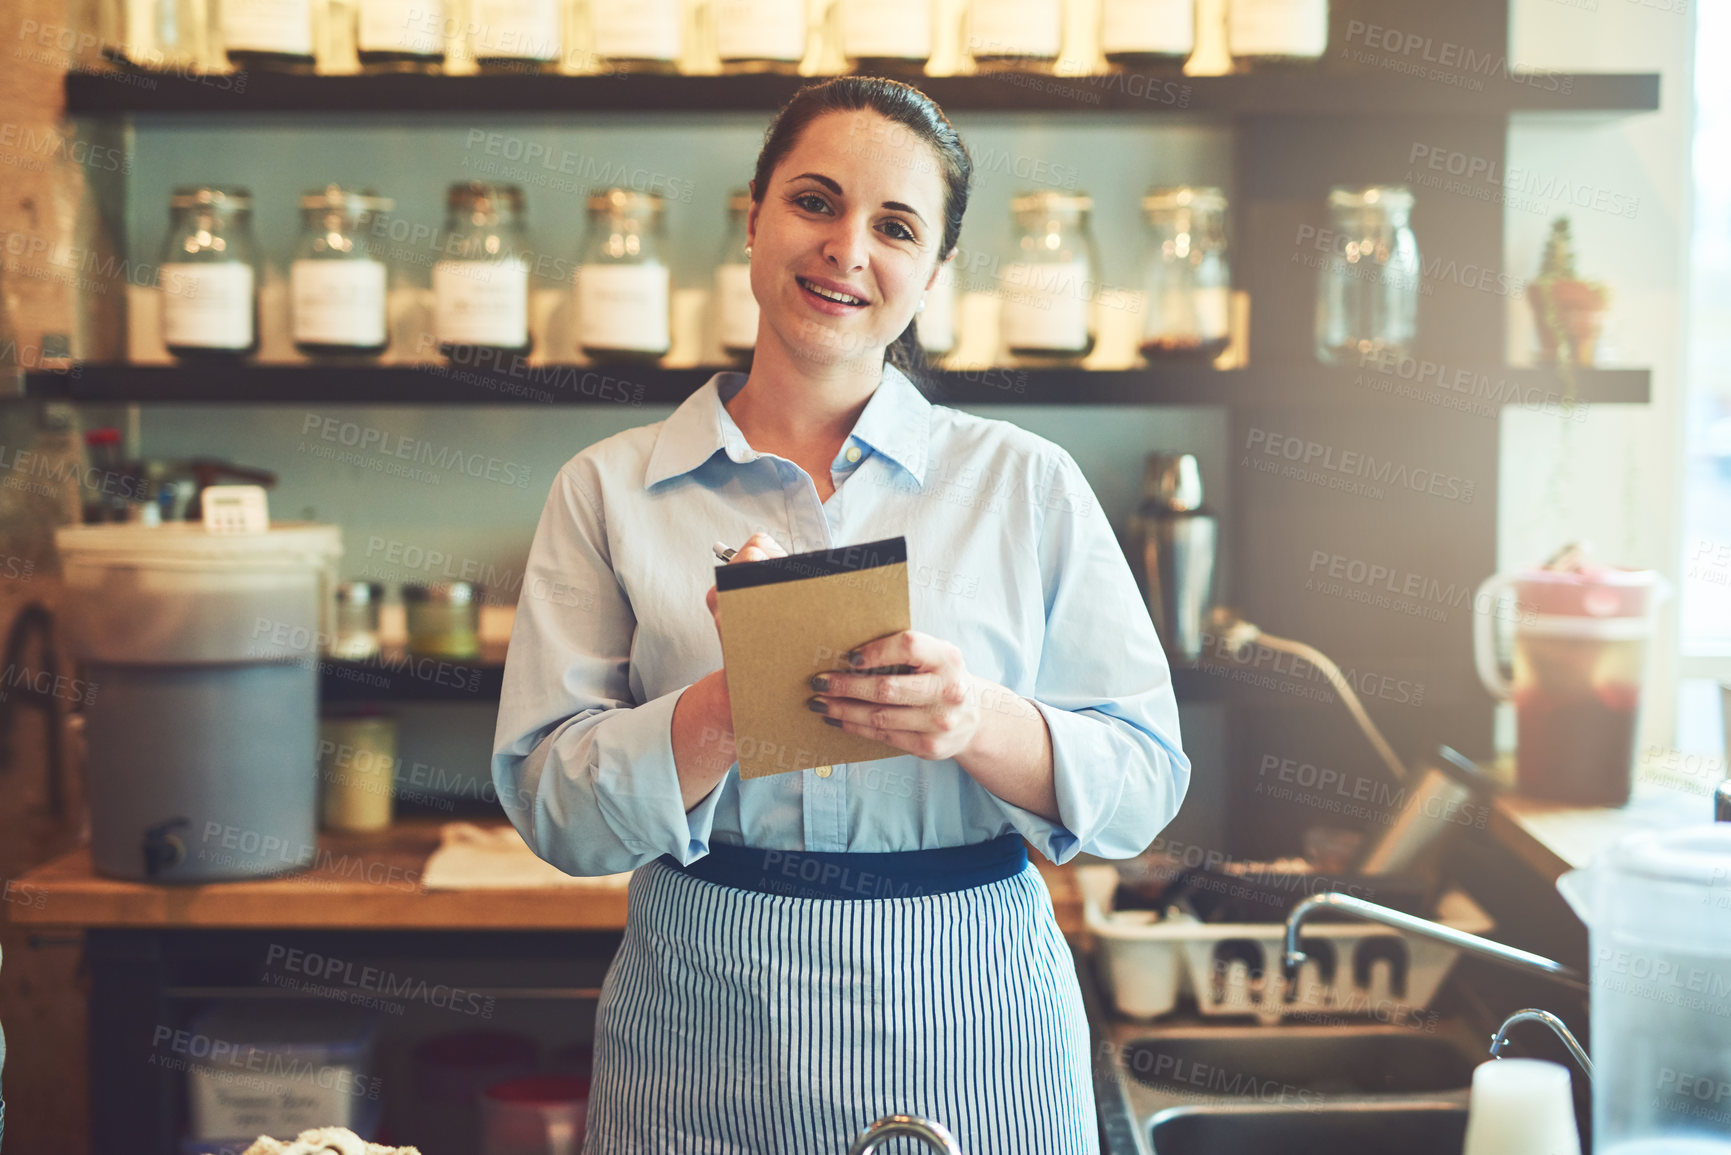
(1596,592)
(541,1090)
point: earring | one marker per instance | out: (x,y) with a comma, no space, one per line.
(748,252)
(922,306)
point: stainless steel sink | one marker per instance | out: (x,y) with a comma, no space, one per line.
(1390,1127)
(1285,1062)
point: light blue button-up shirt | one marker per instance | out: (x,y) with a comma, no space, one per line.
(1010,557)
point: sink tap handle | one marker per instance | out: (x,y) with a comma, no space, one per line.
(1533,1014)
(933,1134)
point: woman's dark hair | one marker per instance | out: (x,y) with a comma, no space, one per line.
(902,104)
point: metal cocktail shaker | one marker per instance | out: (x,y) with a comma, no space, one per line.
(1171,548)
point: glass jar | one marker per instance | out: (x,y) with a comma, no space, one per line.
(1368,284)
(357,618)
(623,289)
(1147,33)
(1048,285)
(735,304)
(336,285)
(357,771)
(760,35)
(1277,31)
(935,323)
(443,619)
(275,34)
(1187,278)
(401,35)
(209,274)
(1011,34)
(644,36)
(879,36)
(481,287)
(517,36)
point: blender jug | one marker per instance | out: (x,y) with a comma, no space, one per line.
(1658,911)
(1580,639)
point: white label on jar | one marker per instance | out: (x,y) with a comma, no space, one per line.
(284,26)
(936,323)
(623,307)
(1016,28)
(893,29)
(517,29)
(414,26)
(645,30)
(1045,306)
(481,303)
(1166,27)
(207,305)
(760,29)
(339,302)
(1277,27)
(1213,307)
(735,306)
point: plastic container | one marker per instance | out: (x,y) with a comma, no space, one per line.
(199,656)
(1355,968)
(542,1115)
(266,1068)
(449,1072)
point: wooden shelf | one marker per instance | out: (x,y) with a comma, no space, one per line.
(1297,92)
(619,385)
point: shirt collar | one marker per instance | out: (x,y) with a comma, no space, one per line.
(896,422)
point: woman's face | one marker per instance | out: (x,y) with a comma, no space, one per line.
(856,207)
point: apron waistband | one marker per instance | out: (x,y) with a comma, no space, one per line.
(859,875)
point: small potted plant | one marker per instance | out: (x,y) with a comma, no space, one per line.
(1568,312)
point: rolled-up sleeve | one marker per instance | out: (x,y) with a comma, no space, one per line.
(585,773)
(1103,686)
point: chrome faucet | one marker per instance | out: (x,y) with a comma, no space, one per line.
(1371,912)
(1533,1014)
(932,1134)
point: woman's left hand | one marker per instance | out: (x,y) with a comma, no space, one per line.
(932,711)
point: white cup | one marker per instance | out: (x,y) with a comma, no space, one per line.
(1522,1107)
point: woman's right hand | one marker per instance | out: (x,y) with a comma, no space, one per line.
(757,547)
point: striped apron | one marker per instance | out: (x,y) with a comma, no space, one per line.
(778,1002)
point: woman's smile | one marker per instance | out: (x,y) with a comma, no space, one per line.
(829,297)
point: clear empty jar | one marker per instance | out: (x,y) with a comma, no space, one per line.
(880,36)
(623,288)
(760,35)
(1187,278)
(337,286)
(481,287)
(1147,33)
(401,35)
(644,36)
(1368,284)
(1277,31)
(735,304)
(1012,34)
(517,36)
(1047,287)
(276,34)
(208,275)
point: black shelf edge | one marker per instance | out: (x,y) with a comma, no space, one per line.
(1447,389)
(397,676)
(1299,92)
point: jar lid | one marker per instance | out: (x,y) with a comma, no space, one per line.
(739,200)
(1394,196)
(1184,197)
(212,196)
(360,593)
(474,194)
(624,200)
(442,593)
(334,196)
(1051,200)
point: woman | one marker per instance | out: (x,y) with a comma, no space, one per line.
(809,951)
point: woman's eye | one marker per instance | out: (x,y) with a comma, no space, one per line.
(806,200)
(902,233)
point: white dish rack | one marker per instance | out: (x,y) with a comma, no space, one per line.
(1356,969)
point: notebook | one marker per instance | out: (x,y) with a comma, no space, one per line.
(784,619)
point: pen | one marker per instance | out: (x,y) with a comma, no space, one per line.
(723,552)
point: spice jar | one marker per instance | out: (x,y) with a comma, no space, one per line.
(481,288)
(401,35)
(623,289)
(760,35)
(443,619)
(644,36)
(209,274)
(357,618)
(357,771)
(879,36)
(1008,34)
(517,36)
(1047,286)
(1368,280)
(1187,279)
(735,303)
(336,284)
(274,34)
(1277,31)
(1147,33)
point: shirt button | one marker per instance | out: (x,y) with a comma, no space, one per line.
(825,771)
(853,453)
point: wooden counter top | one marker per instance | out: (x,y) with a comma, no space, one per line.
(360,882)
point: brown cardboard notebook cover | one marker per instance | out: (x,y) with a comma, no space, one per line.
(786,618)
